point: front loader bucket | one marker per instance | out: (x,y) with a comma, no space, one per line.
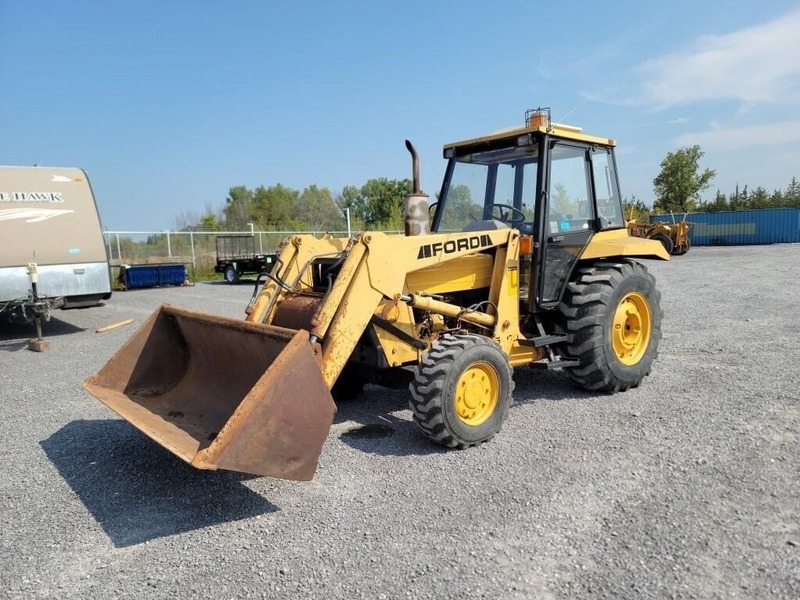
(222,393)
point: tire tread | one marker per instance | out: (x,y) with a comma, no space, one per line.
(426,403)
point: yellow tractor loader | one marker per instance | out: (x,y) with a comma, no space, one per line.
(524,261)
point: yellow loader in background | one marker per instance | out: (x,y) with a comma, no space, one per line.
(526,262)
(673,236)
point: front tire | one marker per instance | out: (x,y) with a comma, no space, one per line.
(612,317)
(462,390)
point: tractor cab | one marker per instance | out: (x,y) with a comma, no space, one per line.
(553,183)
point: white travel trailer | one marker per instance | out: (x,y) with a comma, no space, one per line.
(48,217)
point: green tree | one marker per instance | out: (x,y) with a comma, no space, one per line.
(209,222)
(349,199)
(678,185)
(719,203)
(759,198)
(378,203)
(778,199)
(792,196)
(738,199)
(318,211)
(635,209)
(275,206)
(384,201)
(238,205)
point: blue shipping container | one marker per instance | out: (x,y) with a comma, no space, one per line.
(740,227)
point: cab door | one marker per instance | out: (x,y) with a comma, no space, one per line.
(568,217)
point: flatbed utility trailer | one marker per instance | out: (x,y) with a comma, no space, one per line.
(236,256)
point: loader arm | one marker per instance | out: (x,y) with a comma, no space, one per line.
(374,270)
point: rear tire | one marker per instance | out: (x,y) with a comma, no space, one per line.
(461,390)
(611,315)
(231,274)
(666,241)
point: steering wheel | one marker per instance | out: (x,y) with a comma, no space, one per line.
(508,214)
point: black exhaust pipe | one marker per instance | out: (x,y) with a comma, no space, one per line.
(415,204)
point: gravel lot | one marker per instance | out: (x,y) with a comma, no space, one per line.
(686,487)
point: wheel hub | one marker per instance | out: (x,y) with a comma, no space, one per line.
(477,392)
(632,326)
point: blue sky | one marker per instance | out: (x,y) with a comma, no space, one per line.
(168,104)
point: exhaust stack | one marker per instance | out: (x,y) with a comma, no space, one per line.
(415,204)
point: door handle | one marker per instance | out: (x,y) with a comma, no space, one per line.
(556,238)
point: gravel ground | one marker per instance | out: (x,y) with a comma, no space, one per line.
(685,487)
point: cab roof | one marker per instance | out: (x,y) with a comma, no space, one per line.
(556,130)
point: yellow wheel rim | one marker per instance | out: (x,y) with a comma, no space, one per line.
(477,392)
(632,326)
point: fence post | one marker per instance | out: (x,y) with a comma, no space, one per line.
(169,247)
(119,249)
(191,242)
(107,239)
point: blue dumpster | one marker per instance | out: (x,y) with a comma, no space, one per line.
(145,276)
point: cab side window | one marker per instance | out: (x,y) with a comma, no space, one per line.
(570,207)
(605,187)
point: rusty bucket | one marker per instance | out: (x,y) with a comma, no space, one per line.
(222,393)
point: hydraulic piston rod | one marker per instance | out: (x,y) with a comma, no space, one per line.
(448,310)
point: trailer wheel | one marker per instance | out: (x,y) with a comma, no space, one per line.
(461,390)
(231,274)
(666,241)
(681,250)
(611,315)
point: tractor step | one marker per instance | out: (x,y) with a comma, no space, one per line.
(551,365)
(543,340)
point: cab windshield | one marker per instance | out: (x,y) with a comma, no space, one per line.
(484,188)
(498,185)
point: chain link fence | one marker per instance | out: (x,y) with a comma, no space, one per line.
(195,249)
